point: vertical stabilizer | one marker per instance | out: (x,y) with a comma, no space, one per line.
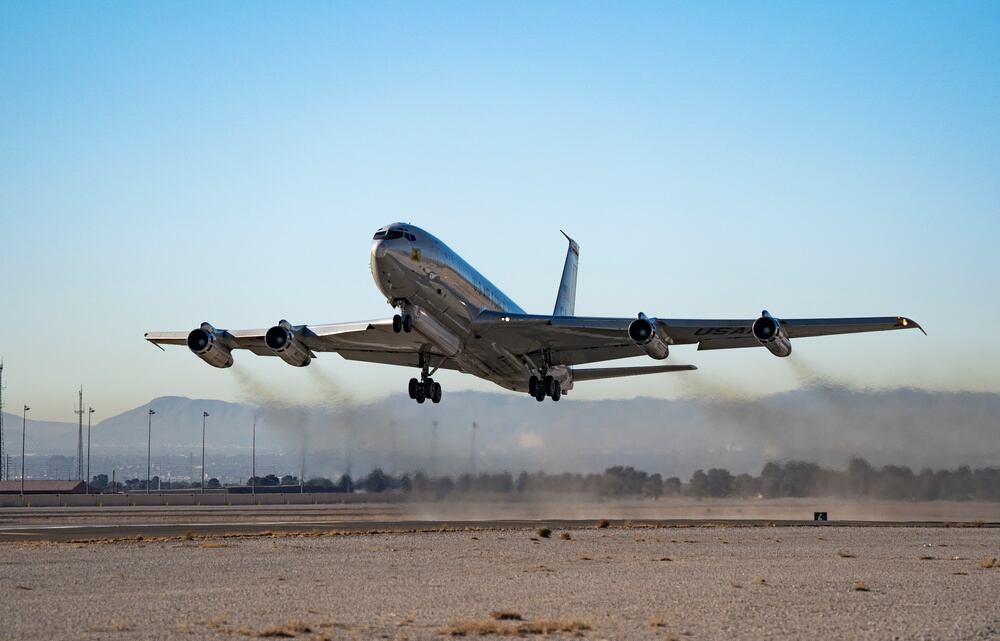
(566,298)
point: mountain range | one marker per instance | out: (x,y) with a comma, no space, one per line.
(824,424)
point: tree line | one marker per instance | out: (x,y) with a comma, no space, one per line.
(776,480)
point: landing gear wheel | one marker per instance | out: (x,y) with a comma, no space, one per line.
(407,323)
(550,386)
(533,385)
(428,386)
(397,324)
(557,393)
(412,388)
(421,397)
(540,394)
(436,396)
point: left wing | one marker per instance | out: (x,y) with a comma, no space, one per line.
(575,340)
(371,341)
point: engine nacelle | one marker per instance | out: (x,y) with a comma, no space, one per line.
(284,341)
(207,345)
(642,331)
(768,331)
(442,337)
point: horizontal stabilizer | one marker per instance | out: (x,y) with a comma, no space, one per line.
(618,372)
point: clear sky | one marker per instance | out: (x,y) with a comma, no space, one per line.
(167,163)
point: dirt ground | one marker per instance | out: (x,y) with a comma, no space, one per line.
(651,582)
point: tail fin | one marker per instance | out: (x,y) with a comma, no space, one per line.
(566,298)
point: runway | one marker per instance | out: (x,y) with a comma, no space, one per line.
(82,524)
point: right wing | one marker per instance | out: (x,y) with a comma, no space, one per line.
(576,340)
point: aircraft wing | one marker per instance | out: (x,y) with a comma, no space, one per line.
(576,340)
(371,341)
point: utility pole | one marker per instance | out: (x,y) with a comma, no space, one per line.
(472,450)
(149,446)
(90,410)
(79,439)
(253,459)
(204,415)
(24,428)
(4,465)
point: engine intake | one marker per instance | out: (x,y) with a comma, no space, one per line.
(642,331)
(206,345)
(768,331)
(284,340)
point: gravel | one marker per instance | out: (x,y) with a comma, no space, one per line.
(635,583)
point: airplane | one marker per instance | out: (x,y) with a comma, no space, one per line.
(451,317)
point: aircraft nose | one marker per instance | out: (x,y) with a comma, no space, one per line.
(379,249)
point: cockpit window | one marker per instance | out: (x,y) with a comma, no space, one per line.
(387,234)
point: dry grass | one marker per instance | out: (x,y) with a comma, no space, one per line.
(988,562)
(113,626)
(861,586)
(506,615)
(492,627)
(543,532)
(844,554)
(565,536)
(603,523)
(657,621)
(286,631)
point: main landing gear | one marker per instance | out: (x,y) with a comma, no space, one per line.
(545,386)
(425,388)
(402,323)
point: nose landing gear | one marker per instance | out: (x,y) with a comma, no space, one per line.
(402,323)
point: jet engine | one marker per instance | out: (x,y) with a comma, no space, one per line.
(768,331)
(285,342)
(642,331)
(207,345)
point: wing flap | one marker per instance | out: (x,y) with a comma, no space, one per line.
(598,373)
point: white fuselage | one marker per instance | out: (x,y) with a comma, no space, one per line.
(420,274)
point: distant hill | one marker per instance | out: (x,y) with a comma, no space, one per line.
(822,424)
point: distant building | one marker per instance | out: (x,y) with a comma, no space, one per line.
(43,487)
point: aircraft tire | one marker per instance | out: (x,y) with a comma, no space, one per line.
(557,392)
(421,397)
(428,387)
(540,394)
(412,388)
(397,323)
(550,386)
(436,397)
(407,323)
(533,385)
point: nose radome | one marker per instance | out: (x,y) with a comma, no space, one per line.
(379,249)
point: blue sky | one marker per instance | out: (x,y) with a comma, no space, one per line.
(167,163)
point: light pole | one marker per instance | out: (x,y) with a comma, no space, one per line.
(253,459)
(434,447)
(149,446)
(204,415)
(24,428)
(90,410)
(472,449)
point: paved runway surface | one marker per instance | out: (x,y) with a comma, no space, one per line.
(719,582)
